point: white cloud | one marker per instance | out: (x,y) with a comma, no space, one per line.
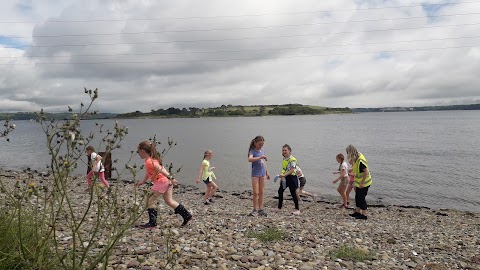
(347,55)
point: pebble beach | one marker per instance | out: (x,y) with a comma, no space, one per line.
(223,235)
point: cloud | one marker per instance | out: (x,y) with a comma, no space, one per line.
(145,55)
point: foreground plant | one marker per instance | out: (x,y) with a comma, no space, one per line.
(54,231)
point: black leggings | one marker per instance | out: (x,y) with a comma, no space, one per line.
(360,194)
(292,184)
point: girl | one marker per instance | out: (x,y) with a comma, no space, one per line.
(96,167)
(350,178)
(289,171)
(162,185)
(303,181)
(343,178)
(207,177)
(259,171)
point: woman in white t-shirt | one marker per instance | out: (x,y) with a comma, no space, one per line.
(96,167)
(343,178)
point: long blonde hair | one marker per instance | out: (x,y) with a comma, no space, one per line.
(352,153)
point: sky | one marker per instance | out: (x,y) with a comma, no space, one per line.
(150,54)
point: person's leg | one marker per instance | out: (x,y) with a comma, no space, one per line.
(349,189)
(101,175)
(152,209)
(280,196)
(89,180)
(341,189)
(179,209)
(213,187)
(255,188)
(357,203)
(292,185)
(363,202)
(261,190)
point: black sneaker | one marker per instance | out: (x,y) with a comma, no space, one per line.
(210,200)
(355,214)
(206,202)
(262,212)
(361,217)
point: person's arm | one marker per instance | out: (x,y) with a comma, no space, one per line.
(200,172)
(289,172)
(365,174)
(253,159)
(145,178)
(98,159)
(162,170)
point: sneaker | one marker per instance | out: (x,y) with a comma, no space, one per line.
(109,190)
(360,216)
(211,200)
(207,202)
(342,206)
(277,209)
(253,213)
(296,212)
(262,212)
(314,197)
(355,214)
(87,190)
(147,226)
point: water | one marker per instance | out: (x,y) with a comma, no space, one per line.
(416,158)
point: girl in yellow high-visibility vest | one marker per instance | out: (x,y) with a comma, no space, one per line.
(362,179)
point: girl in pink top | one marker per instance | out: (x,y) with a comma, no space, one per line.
(162,185)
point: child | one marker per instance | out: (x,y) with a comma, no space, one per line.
(351,180)
(207,176)
(96,167)
(289,171)
(303,181)
(259,171)
(343,178)
(162,185)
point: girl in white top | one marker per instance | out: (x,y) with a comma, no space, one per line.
(207,176)
(96,168)
(343,178)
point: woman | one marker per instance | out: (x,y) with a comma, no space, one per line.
(363,180)
(289,171)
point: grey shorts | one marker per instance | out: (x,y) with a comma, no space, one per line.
(302,180)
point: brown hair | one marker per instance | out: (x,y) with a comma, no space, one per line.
(252,143)
(90,148)
(340,156)
(287,146)
(207,152)
(151,150)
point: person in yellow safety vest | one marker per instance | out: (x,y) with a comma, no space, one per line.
(363,180)
(289,171)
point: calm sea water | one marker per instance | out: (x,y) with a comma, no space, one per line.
(416,158)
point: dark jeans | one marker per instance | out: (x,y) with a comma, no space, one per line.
(292,184)
(360,194)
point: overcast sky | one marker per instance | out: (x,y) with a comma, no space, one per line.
(151,54)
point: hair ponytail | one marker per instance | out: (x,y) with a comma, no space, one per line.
(252,143)
(151,150)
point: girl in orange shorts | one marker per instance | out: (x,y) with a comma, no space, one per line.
(162,185)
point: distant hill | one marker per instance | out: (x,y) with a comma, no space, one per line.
(236,110)
(57,116)
(422,108)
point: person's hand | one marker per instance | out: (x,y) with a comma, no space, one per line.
(198,180)
(138,184)
(212,168)
(263,157)
(268,176)
(336,172)
(361,184)
(335,181)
